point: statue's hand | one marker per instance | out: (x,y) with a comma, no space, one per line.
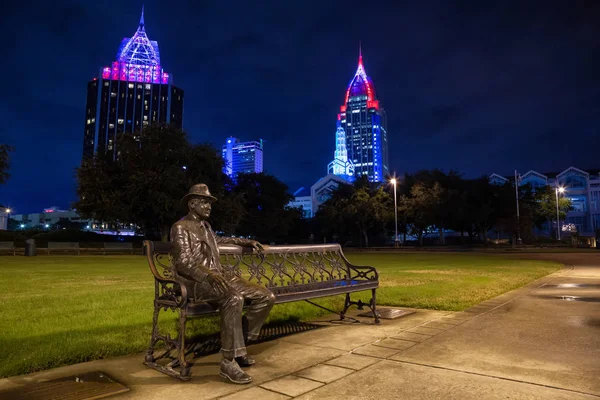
(218,282)
(256,246)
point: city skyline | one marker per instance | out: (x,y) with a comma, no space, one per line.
(478,89)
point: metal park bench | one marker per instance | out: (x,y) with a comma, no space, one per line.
(292,273)
(8,246)
(63,246)
(118,247)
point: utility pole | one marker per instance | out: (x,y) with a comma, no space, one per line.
(519,241)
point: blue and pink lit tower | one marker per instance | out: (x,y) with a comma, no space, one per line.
(132,93)
(362,119)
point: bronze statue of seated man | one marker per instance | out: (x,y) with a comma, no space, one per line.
(196,259)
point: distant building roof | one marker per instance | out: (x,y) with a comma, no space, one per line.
(302,192)
(549,174)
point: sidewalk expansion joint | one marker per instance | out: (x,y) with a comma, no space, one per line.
(496,377)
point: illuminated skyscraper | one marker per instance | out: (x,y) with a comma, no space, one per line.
(242,157)
(132,93)
(363,120)
(340,165)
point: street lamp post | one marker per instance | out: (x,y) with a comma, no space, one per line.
(8,210)
(561,190)
(395,213)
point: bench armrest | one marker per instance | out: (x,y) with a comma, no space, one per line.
(173,290)
(183,300)
(363,272)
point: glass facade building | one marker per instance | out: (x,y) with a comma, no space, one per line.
(132,93)
(242,157)
(364,122)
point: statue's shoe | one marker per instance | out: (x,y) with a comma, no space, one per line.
(232,371)
(245,361)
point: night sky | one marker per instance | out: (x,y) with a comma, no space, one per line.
(473,87)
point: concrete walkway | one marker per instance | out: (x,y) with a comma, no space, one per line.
(541,341)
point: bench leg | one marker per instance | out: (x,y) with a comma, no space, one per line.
(347,304)
(373,305)
(360,305)
(177,345)
(185,372)
(150,352)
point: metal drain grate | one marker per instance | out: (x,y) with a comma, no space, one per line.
(211,344)
(88,386)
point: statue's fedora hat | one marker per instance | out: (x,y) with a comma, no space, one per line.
(198,190)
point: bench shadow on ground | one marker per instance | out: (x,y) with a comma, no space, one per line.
(200,346)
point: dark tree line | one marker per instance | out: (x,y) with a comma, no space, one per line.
(4,162)
(143,184)
(431,203)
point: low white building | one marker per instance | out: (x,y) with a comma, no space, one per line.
(49,217)
(319,193)
(303,200)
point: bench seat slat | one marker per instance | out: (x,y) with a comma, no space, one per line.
(315,293)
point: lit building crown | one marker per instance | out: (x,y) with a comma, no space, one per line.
(138,59)
(361,85)
(139,50)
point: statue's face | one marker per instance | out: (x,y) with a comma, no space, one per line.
(201,207)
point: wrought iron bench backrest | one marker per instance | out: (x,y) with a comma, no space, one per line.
(278,266)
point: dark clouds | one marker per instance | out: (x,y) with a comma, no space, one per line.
(476,86)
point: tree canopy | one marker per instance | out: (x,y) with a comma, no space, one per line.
(144,182)
(265,212)
(434,201)
(4,162)
(357,212)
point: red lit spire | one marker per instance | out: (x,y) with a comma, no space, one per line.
(361,84)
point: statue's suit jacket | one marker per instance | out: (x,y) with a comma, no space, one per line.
(196,249)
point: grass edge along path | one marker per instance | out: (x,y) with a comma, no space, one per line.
(62,310)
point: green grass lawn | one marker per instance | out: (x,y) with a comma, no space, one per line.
(61,310)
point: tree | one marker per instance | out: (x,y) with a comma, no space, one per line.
(420,208)
(4,162)
(507,220)
(545,210)
(361,211)
(446,199)
(371,210)
(485,205)
(152,171)
(266,214)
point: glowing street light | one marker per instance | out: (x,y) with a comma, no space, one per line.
(7,211)
(561,190)
(394,181)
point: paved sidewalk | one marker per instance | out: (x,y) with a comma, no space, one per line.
(526,344)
